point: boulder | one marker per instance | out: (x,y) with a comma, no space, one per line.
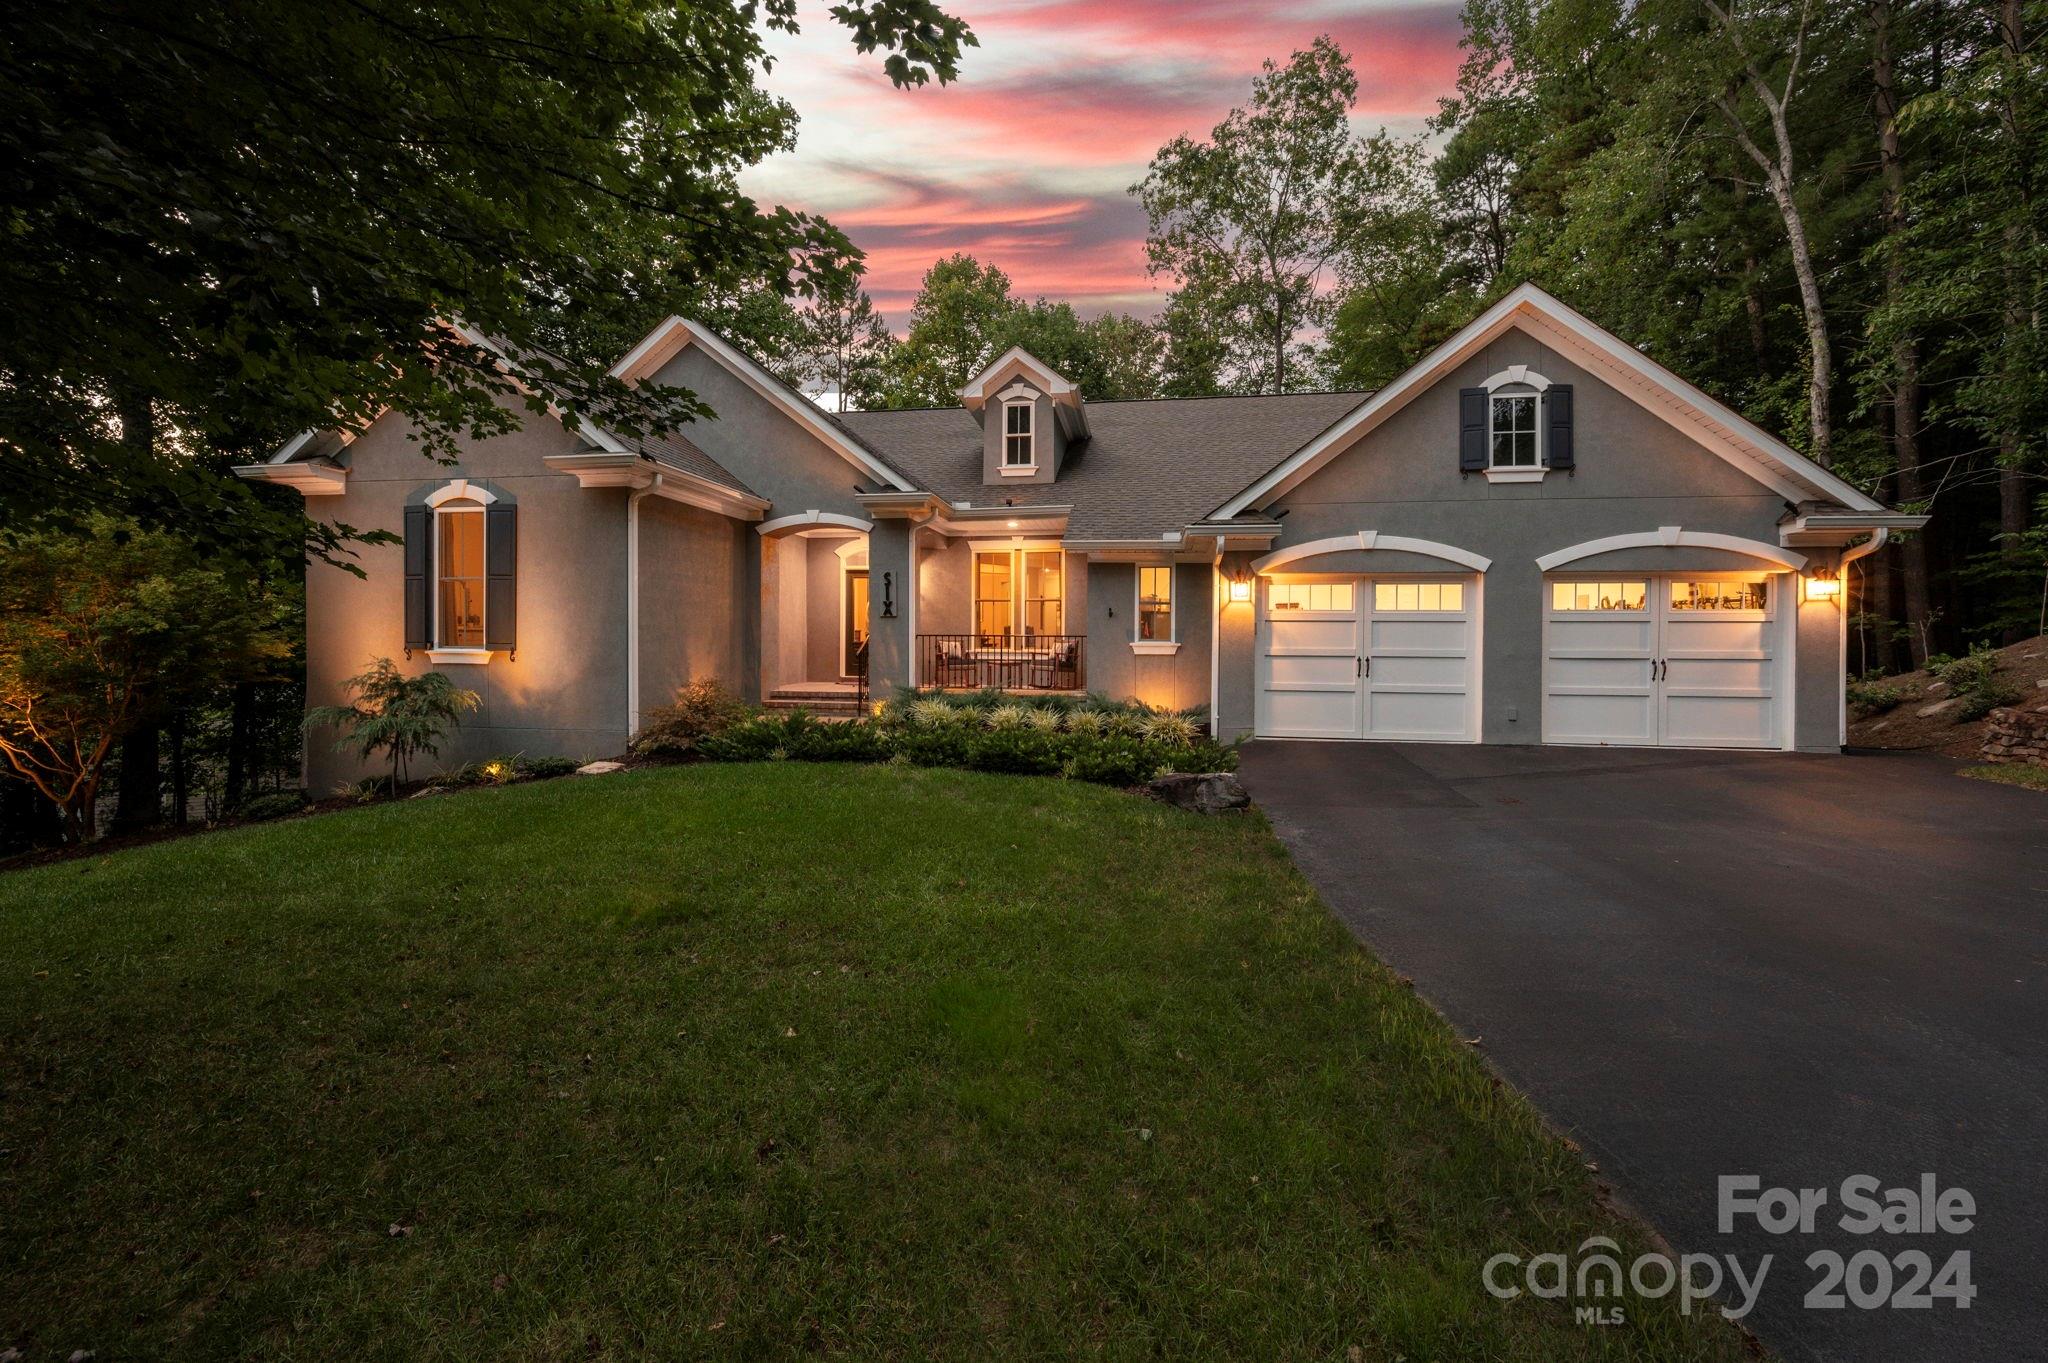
(1936,708)
(424,791)
(1216,792)
(600,768)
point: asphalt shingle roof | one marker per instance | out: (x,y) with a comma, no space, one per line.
(679,453)
(1147,467)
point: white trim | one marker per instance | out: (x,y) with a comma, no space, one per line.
(782,525)
(1029,406)
(1017,470)
(606,468)
(633,500)
(1050,379)
(461,489)
(1219,596)
(1369,540)
(459,655)
(311,480)
(670,338)
(1171,643)
(1670,536)
(1517,374)
(1517,473)
(1744,445)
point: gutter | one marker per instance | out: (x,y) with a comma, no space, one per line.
(1877,540)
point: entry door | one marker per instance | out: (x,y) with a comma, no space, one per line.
(1678,660)
(855,616)
(1355,657)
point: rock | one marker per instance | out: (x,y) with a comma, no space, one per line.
(1937,686)
(2042,684)
(1215,792)
(1936,708)
(600,768)
(424,791)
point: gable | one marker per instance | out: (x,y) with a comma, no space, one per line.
(1657,390)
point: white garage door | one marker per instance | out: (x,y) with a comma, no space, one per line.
(1358,657)
(1683,660)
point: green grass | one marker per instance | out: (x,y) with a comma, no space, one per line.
(745,1062)
(2010,774)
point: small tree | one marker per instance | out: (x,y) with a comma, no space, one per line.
(99,630)
(401,715)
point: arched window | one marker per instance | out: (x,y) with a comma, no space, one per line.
(459,574)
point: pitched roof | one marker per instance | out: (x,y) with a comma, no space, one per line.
(1147,469)
(679,453)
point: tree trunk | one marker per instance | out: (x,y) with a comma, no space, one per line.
(181,783)
(1753,306)
(235,785)
(139,795)
(2013,508)
(1905,356)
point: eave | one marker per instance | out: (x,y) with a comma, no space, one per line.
(312,479)
(605,468)
(1840,528)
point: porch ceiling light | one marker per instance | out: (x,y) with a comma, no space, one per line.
(1240,589)
(1014,524)
(1823,584)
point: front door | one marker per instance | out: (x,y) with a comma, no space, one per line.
(854,620)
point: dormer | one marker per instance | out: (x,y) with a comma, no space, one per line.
(1030,417)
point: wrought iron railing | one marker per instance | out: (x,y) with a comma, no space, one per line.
(1035,662)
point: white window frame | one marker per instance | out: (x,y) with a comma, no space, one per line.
(1519,377)
(1029,435)
(469,500)
(1171,643)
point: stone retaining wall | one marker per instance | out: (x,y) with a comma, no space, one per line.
(2014,735)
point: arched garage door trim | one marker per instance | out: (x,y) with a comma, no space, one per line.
(1370,539)
(1671,536)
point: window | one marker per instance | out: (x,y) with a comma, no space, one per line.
(459,550)
(1418,596)
(1311,596)
(1514,431)
(1019,592)
(1599,596)
(1718,596)
(994,597)
(1155,604)
(1044,604)
(1018,452)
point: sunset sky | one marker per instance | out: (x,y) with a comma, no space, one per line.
(1024,162)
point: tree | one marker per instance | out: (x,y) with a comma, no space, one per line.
(1126,357)
(1251,221)
(844,347)
(98,631)
(954,323)
(400,715)
(238,218)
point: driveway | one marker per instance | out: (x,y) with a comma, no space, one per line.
(1798,967)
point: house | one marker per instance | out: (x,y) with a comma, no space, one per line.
(1534,535)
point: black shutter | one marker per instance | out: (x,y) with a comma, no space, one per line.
(501,573)
(1557,448)
(1472,430)
(419,558)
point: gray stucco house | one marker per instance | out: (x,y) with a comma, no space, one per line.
(1534,535)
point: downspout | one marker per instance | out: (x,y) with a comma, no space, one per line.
(1870,546)
(633,605)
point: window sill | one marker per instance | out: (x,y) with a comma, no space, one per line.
(1018,470)
(478,656)
(1523,475)
(1155,645)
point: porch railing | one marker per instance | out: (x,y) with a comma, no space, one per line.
(1036,662)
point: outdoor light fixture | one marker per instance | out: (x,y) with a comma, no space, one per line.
(1823,584)
(1240,589)
(1015,524)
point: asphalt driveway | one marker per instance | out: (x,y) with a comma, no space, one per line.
(1798,967)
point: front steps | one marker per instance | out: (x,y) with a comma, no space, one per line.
(820,698)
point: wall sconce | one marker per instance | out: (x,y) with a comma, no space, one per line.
(1823,584)
(1241,588)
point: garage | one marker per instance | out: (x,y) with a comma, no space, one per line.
(1368,657)
(1682,660)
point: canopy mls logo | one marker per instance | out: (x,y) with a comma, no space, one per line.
(1595,1281)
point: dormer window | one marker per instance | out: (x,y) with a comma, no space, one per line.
(1019,450)
(1514,430)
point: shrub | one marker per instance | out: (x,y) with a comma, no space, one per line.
(1871,697)
(1084,723)
(1043,719)
(932,712)
(545,768)
(1983,699)
(275,805)
(699,710)
(1177,730)
(1005,717)
(400,715)
(1110,762)
(1017,751)
(1974,680)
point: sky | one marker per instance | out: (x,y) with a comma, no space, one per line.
(1024,162)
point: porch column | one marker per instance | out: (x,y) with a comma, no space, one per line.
(892,605)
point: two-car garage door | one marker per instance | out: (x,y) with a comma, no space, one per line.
(1678,660)
(1360,657)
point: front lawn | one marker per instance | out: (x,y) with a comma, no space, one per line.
(753,1061)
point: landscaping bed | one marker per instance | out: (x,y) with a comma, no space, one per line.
(1886,712)
(755,1060)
